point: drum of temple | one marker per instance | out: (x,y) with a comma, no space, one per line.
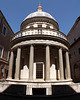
(39,55)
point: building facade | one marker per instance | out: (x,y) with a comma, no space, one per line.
(39,53)
(74,40)
(5,37)
(39,62)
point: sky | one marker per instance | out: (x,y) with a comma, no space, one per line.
(64,11)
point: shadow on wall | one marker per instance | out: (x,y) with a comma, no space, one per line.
(68,97)
(59,92)
(16,90)
(62,90)
(56,90)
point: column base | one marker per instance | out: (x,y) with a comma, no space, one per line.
(69,79)
(9,78)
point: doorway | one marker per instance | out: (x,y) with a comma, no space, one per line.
(39,71)
(39,91)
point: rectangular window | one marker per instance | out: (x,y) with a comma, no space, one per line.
(39,71)
(4,30)
(1,52)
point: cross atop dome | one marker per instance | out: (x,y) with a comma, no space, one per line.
(39,8)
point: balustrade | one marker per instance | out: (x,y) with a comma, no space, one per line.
(49,32)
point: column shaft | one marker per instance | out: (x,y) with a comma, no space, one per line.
(10,65)
(67,65)
(31,61)
(18,59)
(61,64)
(47,62)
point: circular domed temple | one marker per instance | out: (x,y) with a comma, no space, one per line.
(39,61)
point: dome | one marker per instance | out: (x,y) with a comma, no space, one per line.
(39,13)
(39,17)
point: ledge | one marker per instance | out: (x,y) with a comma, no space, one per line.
(35,81)
(4,61)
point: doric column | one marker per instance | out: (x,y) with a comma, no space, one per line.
(18,59)
(10,65)
(67,65)
(47,62)
(31,61)
(61,64)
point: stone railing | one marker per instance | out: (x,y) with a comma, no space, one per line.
(49,32)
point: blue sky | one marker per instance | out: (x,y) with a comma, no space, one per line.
(64,11)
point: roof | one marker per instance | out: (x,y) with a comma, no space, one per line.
(39,13)
(76,22)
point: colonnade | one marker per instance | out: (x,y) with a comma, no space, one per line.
(31,61)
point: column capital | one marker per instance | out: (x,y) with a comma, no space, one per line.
(47,44)
(66,50)
(13,49)
(19,47)
(59,47)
